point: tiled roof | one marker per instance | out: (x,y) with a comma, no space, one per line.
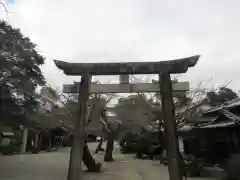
(229,104)
(219,124)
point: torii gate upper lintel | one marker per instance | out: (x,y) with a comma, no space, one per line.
(172,67)
(163,68)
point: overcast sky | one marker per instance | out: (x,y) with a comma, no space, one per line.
(134,30)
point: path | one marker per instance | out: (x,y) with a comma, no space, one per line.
(54,165)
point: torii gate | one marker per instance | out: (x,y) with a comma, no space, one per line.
(162,68)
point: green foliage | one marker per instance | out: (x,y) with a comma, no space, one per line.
(19,72)
(128,136)
(221,96)
(127,142)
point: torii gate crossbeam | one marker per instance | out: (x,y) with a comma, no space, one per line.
(125,88)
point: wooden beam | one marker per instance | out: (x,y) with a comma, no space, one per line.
(125,88)
(172,66)
(170,127)
(75,164)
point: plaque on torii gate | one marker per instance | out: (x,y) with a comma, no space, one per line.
(162,68)
(178,87)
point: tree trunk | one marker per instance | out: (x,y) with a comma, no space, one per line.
(88,160)
(109,149)
(99,147)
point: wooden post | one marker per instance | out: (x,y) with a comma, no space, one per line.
(124,79)
(24,140)
(36,143)
(75,164)
(170,126)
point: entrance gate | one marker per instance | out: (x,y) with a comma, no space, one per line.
(162,68)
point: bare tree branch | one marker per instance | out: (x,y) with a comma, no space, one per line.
(5,9)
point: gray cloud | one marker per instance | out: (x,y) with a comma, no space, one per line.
(97,31)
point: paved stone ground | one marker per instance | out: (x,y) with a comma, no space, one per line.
(54,165)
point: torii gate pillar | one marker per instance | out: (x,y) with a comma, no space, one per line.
(168,115)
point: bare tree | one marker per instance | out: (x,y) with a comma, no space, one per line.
(67,111)
(111,130)
(97,114)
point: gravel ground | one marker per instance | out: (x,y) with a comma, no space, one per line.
(54,165)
